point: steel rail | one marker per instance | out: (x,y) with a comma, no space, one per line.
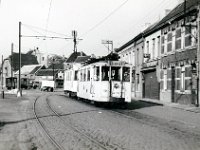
(97,143)
(56,144)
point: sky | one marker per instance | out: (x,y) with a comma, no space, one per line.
(94,21)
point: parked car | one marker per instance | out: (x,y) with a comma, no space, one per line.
(47,88)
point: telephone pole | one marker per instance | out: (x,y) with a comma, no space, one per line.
(198,55)
(2,78)
(19,93)
(74,35)
(11,59)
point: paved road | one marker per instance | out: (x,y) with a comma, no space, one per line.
(140,131)
(142,126)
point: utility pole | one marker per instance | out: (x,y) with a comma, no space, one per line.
(2,78)
(12,45)
(108,42)
(19,94)
(53,68)
(198,56)
(74,35)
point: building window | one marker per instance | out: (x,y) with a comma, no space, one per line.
(137,82)
(178,39)
(188,37)
(169,42)
(163,44)
(138,57)
(133,58)
(178,76)
(158,45)
(182,78)
(153,48)
(147,47)
(165,80)
(42,58)
(169,79)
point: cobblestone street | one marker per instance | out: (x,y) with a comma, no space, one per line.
(141,126)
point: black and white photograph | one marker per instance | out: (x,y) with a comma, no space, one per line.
(100,75)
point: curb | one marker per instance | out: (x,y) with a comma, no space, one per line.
(192,109)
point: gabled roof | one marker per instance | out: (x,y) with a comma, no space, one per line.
(74,55)
(47,72)
(176,13)
(36,69)
(26,59)
(29,69)
(140,35)
(81,59)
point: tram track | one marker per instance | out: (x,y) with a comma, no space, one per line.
(54,142)
(97,143)
(66,124)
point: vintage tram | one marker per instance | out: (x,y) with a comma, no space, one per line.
(101,81)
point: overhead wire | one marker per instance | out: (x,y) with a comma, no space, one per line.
(48,16)
(104,19)
(42,29)
(137,23)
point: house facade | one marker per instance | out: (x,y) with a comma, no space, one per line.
(11,64)
(132,53)
(150,67)
(169,68)
(178,67)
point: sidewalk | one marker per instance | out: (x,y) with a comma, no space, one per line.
(190,108)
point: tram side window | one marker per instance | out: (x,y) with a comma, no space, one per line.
(105,73)
(96,74)
(88,74)
(115,73)
(81,75)
(126,74)
(76,75)
(84,75)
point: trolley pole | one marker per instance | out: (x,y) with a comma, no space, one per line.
(2,79)
(19,93)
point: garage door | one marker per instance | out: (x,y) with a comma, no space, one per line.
(151,85)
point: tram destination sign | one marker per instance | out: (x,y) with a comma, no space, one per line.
(117,63)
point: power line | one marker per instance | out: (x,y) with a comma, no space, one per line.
(103,20)
(47,22)
(138,22)
(42,29)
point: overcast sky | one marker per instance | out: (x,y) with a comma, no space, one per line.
(95,20)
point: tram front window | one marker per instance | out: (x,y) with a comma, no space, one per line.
(105,73)
(126,74)
(115,73)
